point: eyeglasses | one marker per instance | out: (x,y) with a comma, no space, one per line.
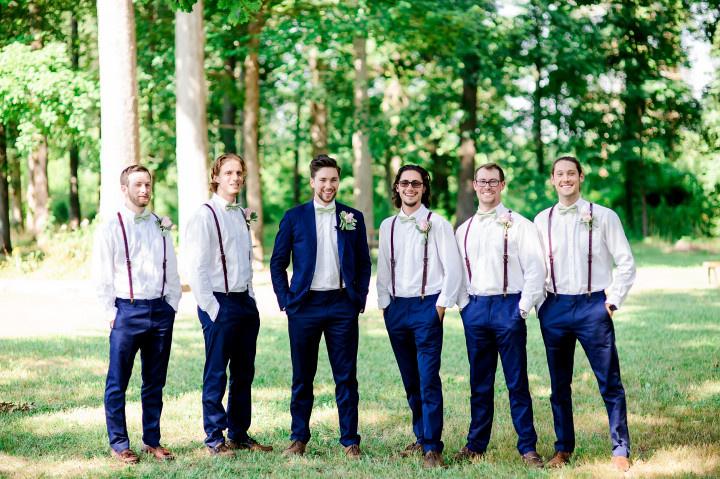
(491,183)
(406,183)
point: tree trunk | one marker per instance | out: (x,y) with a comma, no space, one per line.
(74,196)
(466,194)
(191,119)
(296,166)
(537,94)
(17,216)
(228,129)
(251,113)
(318,110)
(120,139)
(5,244)
(37,188)
(362,164)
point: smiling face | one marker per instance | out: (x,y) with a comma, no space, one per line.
(567,180)
(138,190)
(488,188)
(325,184)
(410,188)
(229,180)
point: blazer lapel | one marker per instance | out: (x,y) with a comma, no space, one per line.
(338,232)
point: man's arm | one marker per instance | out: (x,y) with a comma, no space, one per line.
(362,261)
(452,265)
(280,261)
(201,247)
(103,272)
(383,279)
(619,247)
(532,263)
(173,290)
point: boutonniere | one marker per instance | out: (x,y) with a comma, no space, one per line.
(586,218)
(165,224)
(251,216)
(505,220)
(347,221)
(424,228)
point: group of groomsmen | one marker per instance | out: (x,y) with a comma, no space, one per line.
(574,264)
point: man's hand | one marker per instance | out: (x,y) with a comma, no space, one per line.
(610,308)
(440,312)
(112,324)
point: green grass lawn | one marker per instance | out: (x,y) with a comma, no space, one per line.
(669,345)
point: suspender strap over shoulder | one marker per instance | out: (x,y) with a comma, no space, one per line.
(589,287)
(467,259)
(222,250)
(425,260)
(127,256)
(552,266)
(164,263)
(550,248)
(505,256)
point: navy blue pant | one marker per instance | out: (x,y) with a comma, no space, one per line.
(229,341)
(564,319)
(493,326)
(333,314)
(416,336)
(146,325)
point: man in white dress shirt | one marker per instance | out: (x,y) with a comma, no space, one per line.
(418,276)
(220,265)
(583,242)
(504,279)
(135,272)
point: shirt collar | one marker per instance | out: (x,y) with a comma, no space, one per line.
(320,205)
(220,201)
(580,203)
(420,213)
(129,214)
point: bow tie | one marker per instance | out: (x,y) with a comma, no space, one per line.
(567,209)
(486,214)
(141,217)
(325,209)
(232,207)
(407,219)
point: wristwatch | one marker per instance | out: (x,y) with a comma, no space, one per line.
(523,314)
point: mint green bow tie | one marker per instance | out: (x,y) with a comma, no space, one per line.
(232,206)
(407,219)
(567,209)
(141,218)
(325,209)
(486,214)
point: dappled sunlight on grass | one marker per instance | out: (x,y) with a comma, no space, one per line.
(706,390)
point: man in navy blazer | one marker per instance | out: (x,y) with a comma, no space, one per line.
(331,275)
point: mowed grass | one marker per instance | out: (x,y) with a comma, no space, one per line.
(669,345)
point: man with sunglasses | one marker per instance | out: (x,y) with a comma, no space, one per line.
(504,278)
(418,276)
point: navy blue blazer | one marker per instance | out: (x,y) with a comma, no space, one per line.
(297,236)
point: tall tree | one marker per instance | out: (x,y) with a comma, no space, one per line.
(191,121)
(362,164)
(74,197)
(318,107)
(5,244)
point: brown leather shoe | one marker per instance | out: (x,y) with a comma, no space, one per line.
(411,450)
(533,459)
(559,459)
(296,448)
(466,454)
(159,452)
(433,459)
(220,450)
(127,456)
(249,445)
(622,463)
(353,451)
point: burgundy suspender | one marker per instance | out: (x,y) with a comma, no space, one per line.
(467,260)
(505,255)
(127,257)
(222,251)
(162,291)
(393,262)
(425,260)
(552,268)
(589,290)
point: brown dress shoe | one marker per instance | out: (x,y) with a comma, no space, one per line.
(533,459)
(296,448)
(466,454)
(622,463)
(353,451)
(433,459)
(220,450)
(159,453)
(249,445)
(127,456)
(411,449)
(559,459)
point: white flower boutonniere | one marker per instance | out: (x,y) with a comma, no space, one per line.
(251,216)
(424,228)
(505,220)
(165,224)
(586,218)
(347,221)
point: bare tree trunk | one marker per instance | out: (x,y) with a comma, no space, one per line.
(191,119)
(5,244)
(537,94)
(362,164)
(120,138)
(466,195)
(251,114)
(18,219)
(228,128)
(296,166)
(74,195)
(318,109)
(37,188)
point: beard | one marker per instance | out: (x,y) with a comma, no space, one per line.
(138,201)
(323,196)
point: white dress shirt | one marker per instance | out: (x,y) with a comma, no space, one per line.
(203,254)
(327,261)
(444,274)
(485,248)
(145,247)
(610,248)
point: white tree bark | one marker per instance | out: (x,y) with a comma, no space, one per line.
(190,111)
(362,164)
(120,138)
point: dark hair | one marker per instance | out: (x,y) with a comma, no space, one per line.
(490,166)
(125,175)
(322,161)
(571,159)
(425,200)
(217,165)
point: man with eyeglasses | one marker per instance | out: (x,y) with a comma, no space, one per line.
(583,241)
(504,278)
(331,276)
(418,277)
